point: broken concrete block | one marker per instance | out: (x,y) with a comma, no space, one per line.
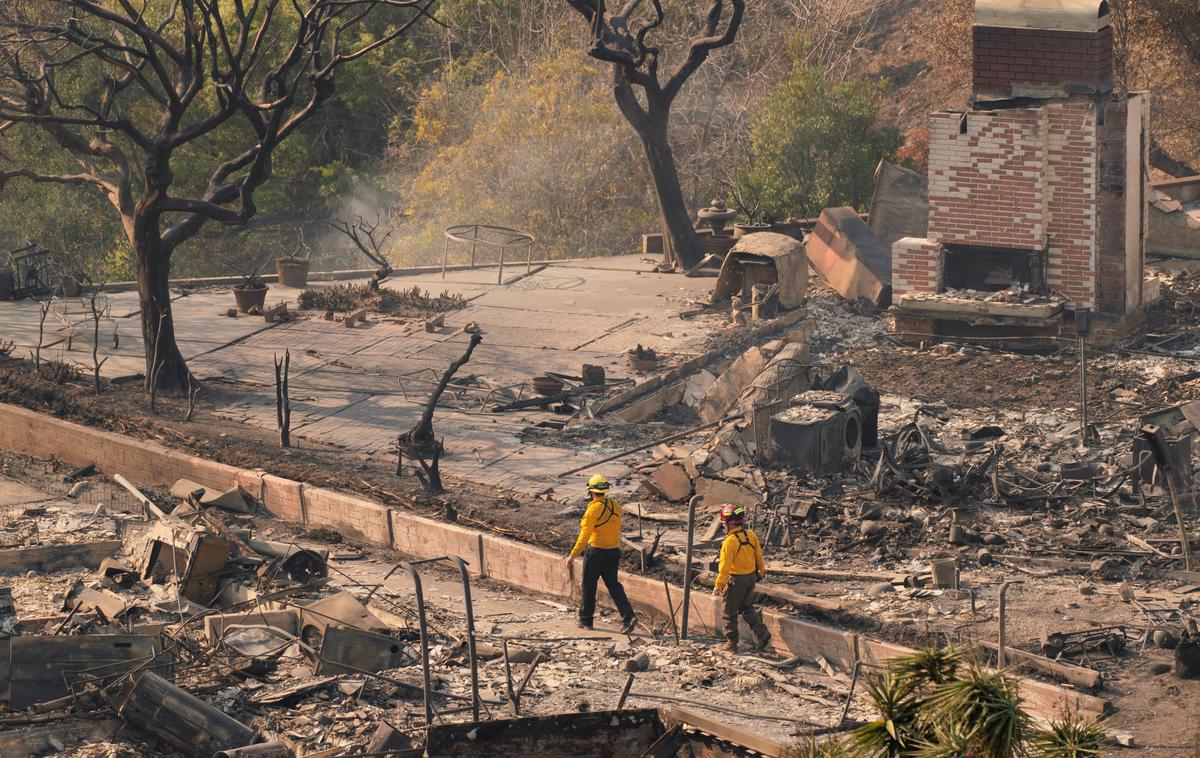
(900,206)
(697,386)
(388,739)
(670,481)
(730,384)
(715,493)
(84,599)
(850,258)
(639,662)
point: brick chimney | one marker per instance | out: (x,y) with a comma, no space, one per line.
(1041,182)
(1041,48)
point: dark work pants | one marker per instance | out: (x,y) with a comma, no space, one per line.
(602,564)
(739,599)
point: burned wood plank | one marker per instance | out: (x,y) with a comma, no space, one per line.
(725,732)
(1076,675)
(56,557)
(785,594)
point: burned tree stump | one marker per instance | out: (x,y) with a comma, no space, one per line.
(283,402)
(419,442)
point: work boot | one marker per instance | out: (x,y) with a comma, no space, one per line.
(763,643)
(729,646)
(583,624)
(628,626)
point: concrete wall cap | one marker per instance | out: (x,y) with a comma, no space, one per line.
(1050,15)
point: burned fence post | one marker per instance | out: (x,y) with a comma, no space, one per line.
(687,568)
(283,403)
(420,442)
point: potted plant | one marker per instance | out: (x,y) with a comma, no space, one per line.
(251,293)
(293,265)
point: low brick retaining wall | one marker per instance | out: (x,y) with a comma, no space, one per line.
(505,560)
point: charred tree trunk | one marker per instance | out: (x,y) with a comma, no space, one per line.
(419,442)
(681,245)
(158,326)
(623,39)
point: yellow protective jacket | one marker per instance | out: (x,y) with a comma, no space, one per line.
(741,553)
(600,526)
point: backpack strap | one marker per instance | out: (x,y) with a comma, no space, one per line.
(607,513)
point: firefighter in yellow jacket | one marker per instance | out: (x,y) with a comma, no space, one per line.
(740,569)
(600,535)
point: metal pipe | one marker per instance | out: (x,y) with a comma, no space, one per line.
(425,679)
(671,608)
(1001,658)
(625,692)
(515,703)
(850,694)
(466,579)
(687,567)
(508,682)
(1083,393)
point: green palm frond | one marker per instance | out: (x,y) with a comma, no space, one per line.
(898,727)
(928,667)
(985,708)
(1070,737)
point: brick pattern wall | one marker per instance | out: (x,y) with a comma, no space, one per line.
(1071,179)
(916,267)
(1005,58)
(986,178)
(1110,250)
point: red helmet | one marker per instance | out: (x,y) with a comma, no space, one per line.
(733,514)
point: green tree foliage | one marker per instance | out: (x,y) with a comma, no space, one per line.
(543,150)
(814,144)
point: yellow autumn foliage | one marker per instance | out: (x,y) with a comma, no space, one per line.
(544,151)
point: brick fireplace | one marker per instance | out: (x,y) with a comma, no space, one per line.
(1037,192)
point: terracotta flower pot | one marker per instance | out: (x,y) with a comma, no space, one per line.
(642,364)
(547,385)
(741,230)
(293,272)
(250,297)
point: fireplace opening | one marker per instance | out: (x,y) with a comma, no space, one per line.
(993,269)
